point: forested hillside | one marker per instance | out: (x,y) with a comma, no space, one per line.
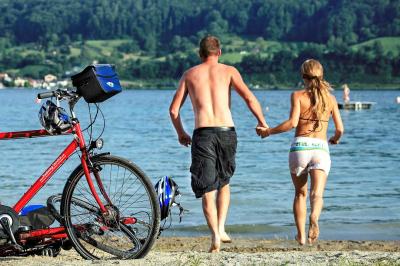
(151,22)
(267,39)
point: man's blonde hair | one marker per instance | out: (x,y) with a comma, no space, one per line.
(209,45)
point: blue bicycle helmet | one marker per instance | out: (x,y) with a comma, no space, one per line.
(54,118)
(167,190)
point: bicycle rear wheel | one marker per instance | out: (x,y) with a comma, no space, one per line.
(131,226)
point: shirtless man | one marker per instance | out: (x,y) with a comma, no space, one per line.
(214,138)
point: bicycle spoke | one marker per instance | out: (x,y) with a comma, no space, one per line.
(120,189)
(131,185)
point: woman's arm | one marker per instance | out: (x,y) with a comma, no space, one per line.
(293,119)
(337,120)
(288,124)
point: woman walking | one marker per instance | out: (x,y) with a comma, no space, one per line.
(311,109)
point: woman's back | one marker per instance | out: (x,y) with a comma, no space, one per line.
(311,108)
(311,125)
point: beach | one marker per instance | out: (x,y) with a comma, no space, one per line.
(243,251)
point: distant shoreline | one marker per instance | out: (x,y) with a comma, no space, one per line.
(278,88)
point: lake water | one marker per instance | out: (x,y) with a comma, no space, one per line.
(362,198)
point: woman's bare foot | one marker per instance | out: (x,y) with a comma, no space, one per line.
(215,244)
(225,238)
(301,240)
(313,231)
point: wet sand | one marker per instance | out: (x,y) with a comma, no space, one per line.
(193,251)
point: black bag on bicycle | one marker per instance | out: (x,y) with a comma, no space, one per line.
(97,83)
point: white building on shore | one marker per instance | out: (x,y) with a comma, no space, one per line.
(20,82)
(49,78)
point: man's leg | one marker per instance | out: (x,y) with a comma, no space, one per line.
(318,181)
(300,206)
(223,198)
(210,212)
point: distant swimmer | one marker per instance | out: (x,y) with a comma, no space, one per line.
(214,139)
(346,93)
(311,109)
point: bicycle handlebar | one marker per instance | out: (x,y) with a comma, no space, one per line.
(63,94)
(59,93)
(45,95)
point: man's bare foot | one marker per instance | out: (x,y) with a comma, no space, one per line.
(213,249)
(225,238)
(301,240)
(313,231)
(215,244)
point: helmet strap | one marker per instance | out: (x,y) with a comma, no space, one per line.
(181,211)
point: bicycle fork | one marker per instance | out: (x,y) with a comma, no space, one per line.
(84,162)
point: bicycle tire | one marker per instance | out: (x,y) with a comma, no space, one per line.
(69,199)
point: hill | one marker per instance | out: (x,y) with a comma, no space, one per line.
(157,40)
(152,22)
(387,44)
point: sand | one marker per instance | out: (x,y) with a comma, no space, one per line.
(192,251)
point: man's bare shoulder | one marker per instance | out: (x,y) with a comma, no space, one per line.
(192,70)
(228,68)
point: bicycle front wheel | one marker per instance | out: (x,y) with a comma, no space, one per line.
(129,228)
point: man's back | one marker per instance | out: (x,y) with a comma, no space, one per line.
(208,86)
(214,142)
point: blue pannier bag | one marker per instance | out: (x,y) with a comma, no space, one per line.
(97,83)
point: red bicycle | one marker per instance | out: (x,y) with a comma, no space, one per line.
(108,208)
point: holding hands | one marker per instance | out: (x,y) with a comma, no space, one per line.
(263,130)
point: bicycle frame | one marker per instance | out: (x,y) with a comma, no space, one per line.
(29,240)
(78,142)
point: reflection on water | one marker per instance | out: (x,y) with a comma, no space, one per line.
(363,189)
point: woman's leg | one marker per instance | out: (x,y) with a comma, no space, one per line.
(300,206)
(318,181)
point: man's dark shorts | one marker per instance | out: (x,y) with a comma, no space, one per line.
(213,158)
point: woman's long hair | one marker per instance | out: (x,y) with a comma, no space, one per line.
(318,89)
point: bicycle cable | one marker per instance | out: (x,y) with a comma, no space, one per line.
(92,121)
(104,120)
(90,118)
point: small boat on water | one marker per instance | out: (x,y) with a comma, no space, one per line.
(355,105)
